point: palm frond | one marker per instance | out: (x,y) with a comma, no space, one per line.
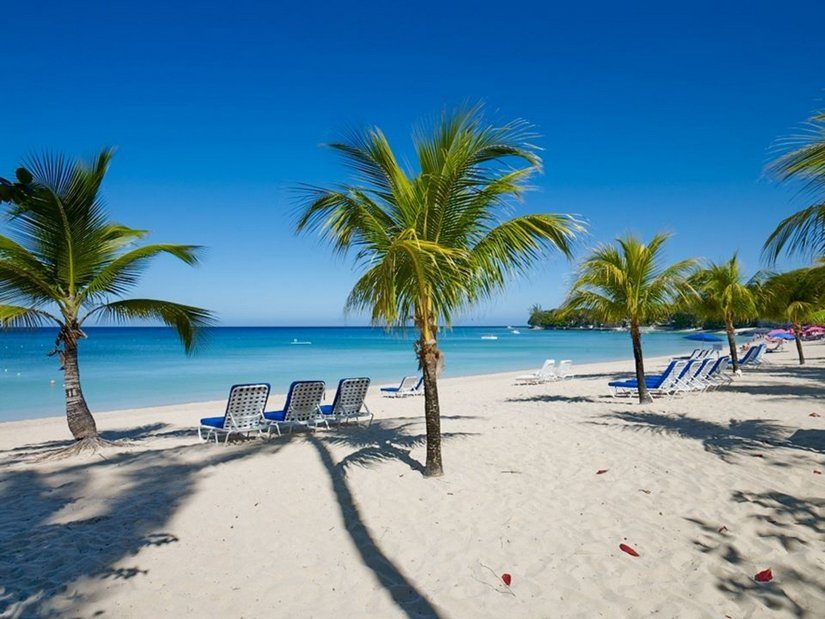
(436,240)
(123,272)
(16,316)
(188,322)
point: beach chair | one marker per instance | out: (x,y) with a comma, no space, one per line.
(717,377)
(302,407)
(698,379)
(758,357)
(349,401)
(244,414)
(753,355)
(545,373)
(565,369)
(410,385)
(662,384)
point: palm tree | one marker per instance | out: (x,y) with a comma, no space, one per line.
(430,241)
(65,263)
(627,282)
(804,231)
(724,295)
(796,297)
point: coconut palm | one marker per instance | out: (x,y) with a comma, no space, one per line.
(65,263)
(627,282)
(796,297)
(802,233)
(724,295)
(431,240)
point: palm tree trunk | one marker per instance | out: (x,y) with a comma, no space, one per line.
(734,357)
(797,334)
(429,356)
(636,336)
(81,423)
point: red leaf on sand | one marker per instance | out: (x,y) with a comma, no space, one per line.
(764,576)
(506,578)
(600,471)
(814,415)
(723,529)
(817,472)
(757,455)
(628,550)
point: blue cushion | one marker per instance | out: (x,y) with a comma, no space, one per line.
(650,381)
(326,409)
(275,415)
(389,389)
(215,422)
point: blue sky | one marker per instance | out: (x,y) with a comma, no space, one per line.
(651,118)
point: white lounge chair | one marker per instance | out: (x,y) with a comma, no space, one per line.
(565,369)
(302,408)
(244,414)
(410,385)
(544,374)
(349,401)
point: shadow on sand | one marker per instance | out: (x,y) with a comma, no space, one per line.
(778,514)
(736,437)
(37,537)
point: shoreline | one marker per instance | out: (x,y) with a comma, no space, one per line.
(276,398)
(166,379)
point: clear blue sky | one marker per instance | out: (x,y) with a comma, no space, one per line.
(652,118)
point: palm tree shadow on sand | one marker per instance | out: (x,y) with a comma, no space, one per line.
(792,522)
(747,437)
(42,552)
(383,441)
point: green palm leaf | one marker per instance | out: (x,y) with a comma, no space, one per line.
(802,233)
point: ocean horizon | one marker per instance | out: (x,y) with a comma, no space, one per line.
(131,367)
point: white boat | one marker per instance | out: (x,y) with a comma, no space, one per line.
(489,336)
(516,332)
(297,342)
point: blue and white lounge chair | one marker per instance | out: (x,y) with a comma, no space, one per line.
(244,413)
(664,383)
(753,356)
(349,401)
(716,377)
(303,407)
(410,385)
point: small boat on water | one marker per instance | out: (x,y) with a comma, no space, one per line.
(515,332)
(297,342)
(489,336)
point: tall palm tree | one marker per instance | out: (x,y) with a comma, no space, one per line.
(796,297)
(64,263)
(432,240)
(724,295)
(627,282)
(802,233)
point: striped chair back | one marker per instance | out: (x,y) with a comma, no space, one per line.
(304,400)
(245,407)
(349,399)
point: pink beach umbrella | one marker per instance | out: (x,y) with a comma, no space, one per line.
(776,332)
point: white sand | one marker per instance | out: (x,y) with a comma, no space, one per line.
(342,524)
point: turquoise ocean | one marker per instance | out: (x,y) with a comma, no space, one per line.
(143,366)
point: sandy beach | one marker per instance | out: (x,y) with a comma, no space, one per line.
(708,488)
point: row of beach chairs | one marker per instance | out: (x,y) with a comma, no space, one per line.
(246,409)
(548,373)
(699,372)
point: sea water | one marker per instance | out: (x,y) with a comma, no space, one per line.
(142,366)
